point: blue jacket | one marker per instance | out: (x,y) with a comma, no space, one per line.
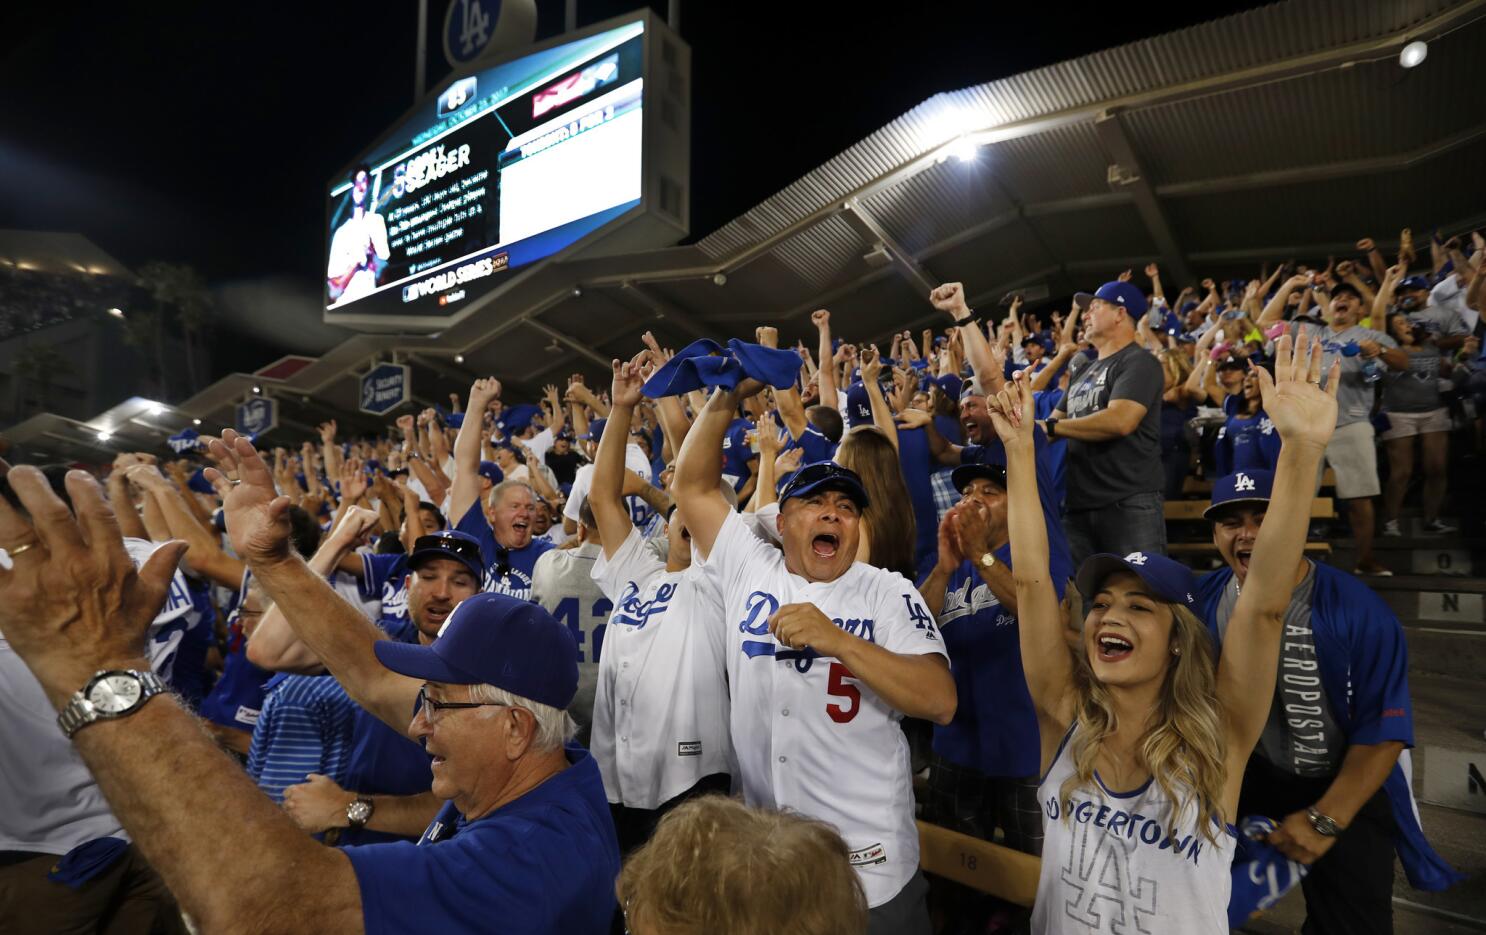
(1364,668)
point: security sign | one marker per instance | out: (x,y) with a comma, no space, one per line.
(256,416)
(385,387)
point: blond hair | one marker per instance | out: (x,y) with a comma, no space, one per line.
(1184,746)
(715,865)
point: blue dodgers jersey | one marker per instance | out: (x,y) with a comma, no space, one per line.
(815,445)
(516,582)
(918,467)
(388,575)
(544,863)
(1246,443)
(994,729)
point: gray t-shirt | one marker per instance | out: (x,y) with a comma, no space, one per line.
(1301,735)
(1416,389)
(1101,473)
(1354,397)
(1440,321)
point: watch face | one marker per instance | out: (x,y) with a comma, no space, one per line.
(115,693)
(358,811)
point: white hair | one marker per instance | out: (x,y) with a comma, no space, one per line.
(498,492)
(555,726)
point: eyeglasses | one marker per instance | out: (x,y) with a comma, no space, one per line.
(430,704)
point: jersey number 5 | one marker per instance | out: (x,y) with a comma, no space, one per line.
(841,688)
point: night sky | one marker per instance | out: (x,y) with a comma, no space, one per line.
(206,132)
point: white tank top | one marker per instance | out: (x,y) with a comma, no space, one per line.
(1114,867)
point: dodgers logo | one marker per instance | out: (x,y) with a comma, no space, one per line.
(635,612)
(760,605)
(516,583)
(1136,558)
(1243,482)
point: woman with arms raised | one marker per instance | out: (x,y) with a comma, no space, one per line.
(1143,738)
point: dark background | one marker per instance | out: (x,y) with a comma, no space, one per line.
(206,132)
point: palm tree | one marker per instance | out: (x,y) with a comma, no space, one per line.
(36,365)
(179,288)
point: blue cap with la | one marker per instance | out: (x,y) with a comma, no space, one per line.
(858,405)
(1126,295)
(1246,486)
(1167,579)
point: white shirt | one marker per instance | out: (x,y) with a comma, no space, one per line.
(660,720)
(348,248)
(635,460)
(49,802)
(1110,865)
(562,583)
(807,734)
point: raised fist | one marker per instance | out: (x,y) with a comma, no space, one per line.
(1152,271)
(820,318)
(1366,245)
(949,297)
(1125,276)
(767,335)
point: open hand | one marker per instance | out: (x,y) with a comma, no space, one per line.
(257,517)
(1012,411)
(628,380)
(1301,411)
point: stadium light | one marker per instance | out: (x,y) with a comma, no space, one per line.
(963,149)
(1413,54)
(154,408)
(104,435)
(459,358)
(116,312)
(257,389)
(195,421)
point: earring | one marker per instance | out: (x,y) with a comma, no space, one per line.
(1176,650)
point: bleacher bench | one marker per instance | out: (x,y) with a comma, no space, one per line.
(1187,511)
(1203,487)
(981,865)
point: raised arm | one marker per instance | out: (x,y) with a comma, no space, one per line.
(122,499)
(605,493)
(1045,658)
(950,299)
(1275,309)
(205,556)
(699,467)
(1305,416)
(466,482)
(826,376)
(1384,298)
(882,413)
(339,634)
(274,644)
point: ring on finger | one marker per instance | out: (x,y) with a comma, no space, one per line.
(17,550)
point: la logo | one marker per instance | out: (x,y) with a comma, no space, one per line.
(1243,482)
(1136,558)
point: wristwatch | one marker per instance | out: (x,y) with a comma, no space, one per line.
(109,694)
(1325,826)
(1050,426)
(988,561)
(359,812)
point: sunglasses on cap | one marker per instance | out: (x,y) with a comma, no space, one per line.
(444,542)
(813,476)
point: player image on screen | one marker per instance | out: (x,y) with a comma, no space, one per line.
(359,246)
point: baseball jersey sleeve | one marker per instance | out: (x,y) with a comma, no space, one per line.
(904,624)
(735,552)
(581,482)
(1379,669)
(632,563)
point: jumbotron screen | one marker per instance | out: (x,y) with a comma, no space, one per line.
(504,168)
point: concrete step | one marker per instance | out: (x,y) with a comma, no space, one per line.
(1434,600)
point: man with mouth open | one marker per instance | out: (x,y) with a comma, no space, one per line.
(503,524)
(824,655)
(1327,766)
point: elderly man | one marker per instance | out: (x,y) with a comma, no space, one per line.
(526,839)
(824,655)
(1327,766)
(505,530)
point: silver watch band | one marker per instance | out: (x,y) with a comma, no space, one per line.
(79,711)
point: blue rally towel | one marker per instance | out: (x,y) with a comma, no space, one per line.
(704,363)
(199,483)
(87,861)
(187,440)
(1261,874)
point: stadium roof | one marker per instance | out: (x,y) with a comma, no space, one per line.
(57,253)
(1286,131)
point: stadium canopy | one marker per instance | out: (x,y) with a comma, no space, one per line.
(1284,132)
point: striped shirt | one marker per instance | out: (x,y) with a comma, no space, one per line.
(306,726)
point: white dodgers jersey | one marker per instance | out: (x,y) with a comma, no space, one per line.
(1115,863)
(808,735)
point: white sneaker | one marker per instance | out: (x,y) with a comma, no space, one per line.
(1390,528)
(1438,527)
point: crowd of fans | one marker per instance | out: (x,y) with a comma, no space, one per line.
(466,672)
(36,299)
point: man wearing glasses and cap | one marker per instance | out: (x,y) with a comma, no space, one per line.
(525,844)
(824,656)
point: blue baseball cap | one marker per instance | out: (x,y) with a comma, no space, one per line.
(858,405)
(825,475)
(950,385)
(1123,294)
(1246,486)
(517,418)
(1414,282)
(595,430)
(965,473)
(495,639)
(492,472)
(1169,580)
(452,544)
